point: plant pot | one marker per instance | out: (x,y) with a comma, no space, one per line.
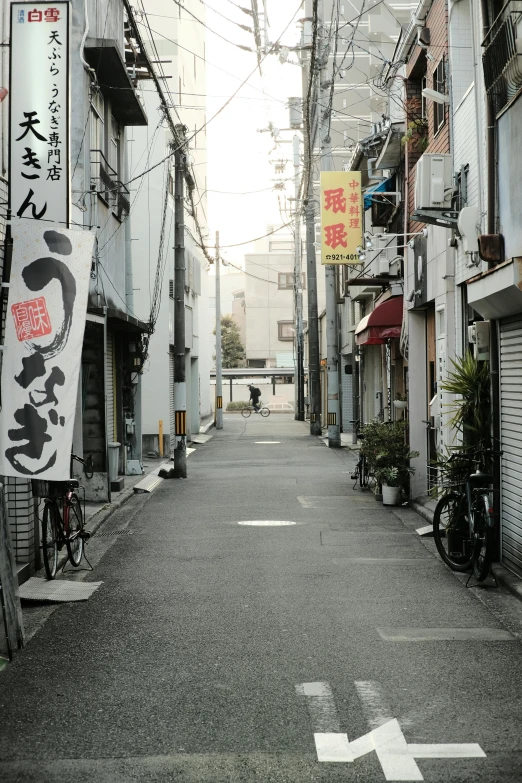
(390,495)
(400,404)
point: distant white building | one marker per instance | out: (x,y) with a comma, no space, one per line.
(269,301)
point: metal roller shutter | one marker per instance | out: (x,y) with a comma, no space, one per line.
(511,434)
(171,402)
(347,401)
(110,386)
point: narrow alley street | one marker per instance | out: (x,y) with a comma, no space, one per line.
(214,650)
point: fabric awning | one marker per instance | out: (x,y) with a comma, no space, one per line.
(382,324)
(380,187)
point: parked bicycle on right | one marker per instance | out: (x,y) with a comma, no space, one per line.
(464,519)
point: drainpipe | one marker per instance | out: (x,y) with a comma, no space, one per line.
(494,325)
(490,138)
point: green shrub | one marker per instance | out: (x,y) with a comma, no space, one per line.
(385,447)
(237,405)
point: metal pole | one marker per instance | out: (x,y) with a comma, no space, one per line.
(219,358)
(180,386)
(298,291)
(314,377)
(332,295)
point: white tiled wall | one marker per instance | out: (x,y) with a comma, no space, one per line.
(18,492)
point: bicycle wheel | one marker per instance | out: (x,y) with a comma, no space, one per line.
(363,473)
(451,532)
(265,412)
(74,538)
(50,534)
(246,412)
(483,544)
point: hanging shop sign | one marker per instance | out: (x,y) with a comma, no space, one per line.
(44,328)
(39,112)
(342,217)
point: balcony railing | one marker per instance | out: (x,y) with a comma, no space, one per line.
(105,182)
(502,58)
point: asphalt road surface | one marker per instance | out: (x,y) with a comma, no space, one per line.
(336,648)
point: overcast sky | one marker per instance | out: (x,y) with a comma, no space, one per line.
(237,155)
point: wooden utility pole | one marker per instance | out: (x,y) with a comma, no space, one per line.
(331,277)
(219,358)
(180,385)
(314,369)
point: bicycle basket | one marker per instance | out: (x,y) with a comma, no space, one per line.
(442,477)
(49,489)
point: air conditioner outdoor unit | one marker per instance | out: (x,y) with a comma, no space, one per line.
(384,263)
(433,181)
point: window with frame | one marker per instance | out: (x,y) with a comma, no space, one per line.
(439,85)
(285,330)
(424,100)
(97,123)
(114,147)
(275,245)
(285,280)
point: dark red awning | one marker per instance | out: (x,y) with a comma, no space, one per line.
(382,324)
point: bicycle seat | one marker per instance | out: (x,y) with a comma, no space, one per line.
(482,479)
(72,484)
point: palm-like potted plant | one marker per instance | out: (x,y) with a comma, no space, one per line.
(390,486)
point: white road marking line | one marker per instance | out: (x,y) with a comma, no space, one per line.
(396,756)
(375,708)
(321,706)
(470,750)
(332,747)
(392,751)
(266,442)
(266,523)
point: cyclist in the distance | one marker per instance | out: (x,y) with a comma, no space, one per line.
(255,394)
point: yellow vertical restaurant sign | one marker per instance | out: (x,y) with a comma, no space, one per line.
(341,217)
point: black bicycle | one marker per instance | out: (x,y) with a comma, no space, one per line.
(361,473)
(464,519)
(63,520)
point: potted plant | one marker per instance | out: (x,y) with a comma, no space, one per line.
(400,402)
(388,454)
(390,486)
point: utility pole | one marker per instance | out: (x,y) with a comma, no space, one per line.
(219,371)
(332,288)
(314,376)
(298,290)
(180,386)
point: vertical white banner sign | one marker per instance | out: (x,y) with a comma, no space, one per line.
(45,323)
(39,112)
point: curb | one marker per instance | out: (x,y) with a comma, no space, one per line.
(206,427)
(422,511)
(504,577)
(508,580)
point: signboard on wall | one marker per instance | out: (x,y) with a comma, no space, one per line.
(39,112)
(342,217)
(44,328)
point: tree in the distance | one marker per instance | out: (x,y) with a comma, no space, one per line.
(232,351)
